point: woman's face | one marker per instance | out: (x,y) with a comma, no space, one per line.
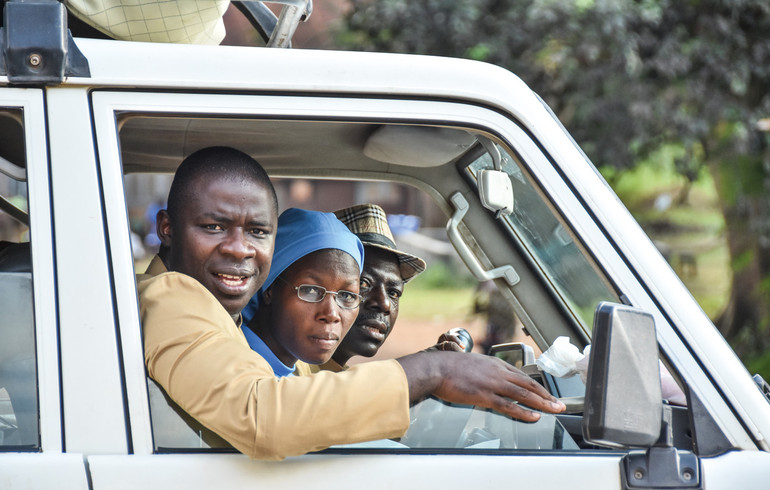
(307,331)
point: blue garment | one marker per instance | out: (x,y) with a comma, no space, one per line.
(260,347)
(299,233)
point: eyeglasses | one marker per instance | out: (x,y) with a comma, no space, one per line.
(312,293)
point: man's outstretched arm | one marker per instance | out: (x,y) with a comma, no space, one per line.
(475,379)
(195,352)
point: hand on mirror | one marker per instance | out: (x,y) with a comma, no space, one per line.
(475,379)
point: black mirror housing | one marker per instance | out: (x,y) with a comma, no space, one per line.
(623,402)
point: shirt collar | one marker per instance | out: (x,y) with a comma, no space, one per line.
(156,267)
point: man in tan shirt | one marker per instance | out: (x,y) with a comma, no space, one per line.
(217,239)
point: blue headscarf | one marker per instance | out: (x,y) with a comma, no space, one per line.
(299,233)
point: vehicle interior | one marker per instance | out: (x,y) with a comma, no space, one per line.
(341,163)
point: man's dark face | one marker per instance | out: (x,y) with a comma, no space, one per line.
(223,237)
(381,288)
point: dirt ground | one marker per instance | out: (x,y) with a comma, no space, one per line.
(410,336)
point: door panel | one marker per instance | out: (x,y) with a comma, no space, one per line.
(28,325)
(193,472)
(738,469)
(60,471)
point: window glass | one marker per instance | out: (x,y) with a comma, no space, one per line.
(18,387)
(435,424)
(445,296)
(571,273)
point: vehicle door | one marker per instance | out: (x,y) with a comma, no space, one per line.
(122,119)
(31,430)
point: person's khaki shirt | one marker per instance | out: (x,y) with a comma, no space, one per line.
(197,353)
(330,365)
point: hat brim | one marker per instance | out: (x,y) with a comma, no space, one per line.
(409,265)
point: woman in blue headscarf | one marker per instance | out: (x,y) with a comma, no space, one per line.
(310,298)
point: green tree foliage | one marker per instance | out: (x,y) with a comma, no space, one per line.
(627,77)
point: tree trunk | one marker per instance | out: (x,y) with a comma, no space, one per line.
(743,186)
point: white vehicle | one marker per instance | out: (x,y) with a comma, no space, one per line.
(75,408)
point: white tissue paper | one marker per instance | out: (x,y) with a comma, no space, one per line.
(560,359)
(563,359)
(581,365)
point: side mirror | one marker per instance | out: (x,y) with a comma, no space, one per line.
(516,354)
(623,401)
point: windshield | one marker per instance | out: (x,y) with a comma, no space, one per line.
(572,275)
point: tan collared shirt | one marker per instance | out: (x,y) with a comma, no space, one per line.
(330,365)
(200,357)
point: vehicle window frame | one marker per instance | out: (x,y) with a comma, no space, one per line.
(31,106)
(109,104)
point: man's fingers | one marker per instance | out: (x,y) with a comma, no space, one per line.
(526,390)
(475,379)
(520,378)
(450,346)
(450,337)
(509,407)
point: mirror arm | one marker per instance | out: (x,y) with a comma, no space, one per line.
(494,152)
(507,271)
(660,467)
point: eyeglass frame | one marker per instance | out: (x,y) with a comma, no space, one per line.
(326,291)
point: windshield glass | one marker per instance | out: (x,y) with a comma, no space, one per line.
(573,276)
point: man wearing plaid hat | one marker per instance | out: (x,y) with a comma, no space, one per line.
(386,270)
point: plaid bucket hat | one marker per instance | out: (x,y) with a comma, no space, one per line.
(369,223)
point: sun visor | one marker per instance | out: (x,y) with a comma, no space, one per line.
(417,146)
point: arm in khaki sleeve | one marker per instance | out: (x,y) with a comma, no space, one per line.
(194,350)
